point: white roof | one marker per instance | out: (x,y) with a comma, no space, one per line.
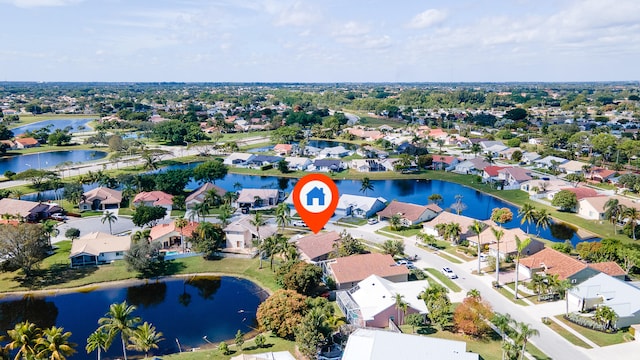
(368,344)
(98,242)
(623,298)
(296,161)
(358,202)
(375,294)
(239,156)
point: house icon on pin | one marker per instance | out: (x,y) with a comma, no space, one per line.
(315,193)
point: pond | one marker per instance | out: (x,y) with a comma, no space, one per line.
(48,159)
(77,125)
(189,311)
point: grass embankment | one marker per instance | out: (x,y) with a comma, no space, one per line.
(56,274)
(443,279)
(598,337)
(272,344)
(570,337)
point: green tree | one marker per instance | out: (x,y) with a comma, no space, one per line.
(145,338)
(223,348)
(282,312)
(72,233)
(50,228)
(565,200)
(366,185)
(23,245)
(110,217)
(520,246)
(435,198)
(498,234)
(24,338)
(633,215)
(145,258)
(55,344)
(208,238)
(524,333)
(302,277)
(225,214)
(239,340)
(283,166)
(120,320)
(543,220)
(613,211)
(148,215)
(501,216)
(59,137)
(527,213)
(606,316)
(400,305)
(180,224)
(98,340)
(393,247)
(415,320)
(259,340)
(283,215)
(438,304)
(210,171)
(395,221)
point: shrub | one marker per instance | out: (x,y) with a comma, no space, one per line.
(583,321)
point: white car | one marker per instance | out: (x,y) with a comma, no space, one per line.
(449,273)
(299,223)
(58,216)
(372,221)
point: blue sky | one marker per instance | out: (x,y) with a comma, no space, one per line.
(319,41)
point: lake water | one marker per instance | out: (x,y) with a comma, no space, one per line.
(186,310)
(47,159)
(75,124)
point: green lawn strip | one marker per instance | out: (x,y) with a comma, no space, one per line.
(449,258)
(536,353)
(210,352)
(352,221)
(402,232)
(509,295)
(570,337)
(454,251)
(599,338)
(443,279)
(386,234)
(523,295)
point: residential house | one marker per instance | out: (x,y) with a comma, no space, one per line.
(410,214)
(444,162)
(550,162)
(238,159)
(359,206)
(154,198)
(297,163)
(536,141)
(529,158)
(446,217)
(375,301)
(198,196)
(350,270)
(601,175)
(259,161)
(507,153)
(311,150)
(100,198)
(258,198)
(28,210)
(170,236)
(366,165)
(604,290)
(552,262)
(8,144)
(242,236)
(368,135)
(372,344)
(389,164)
(539,188)
(581,192)
(98,248)
(592,208)
(492,147)
(285,149)
(317,247)
(334,152)
(610,268)
(326,165)
(471,166)
(26,142)
(491,173)
(573,167)
(508,245)
(512,177)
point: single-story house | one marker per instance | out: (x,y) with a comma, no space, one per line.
(604,290)
(375,300)
(242,235)
(170,236)
(154,198)
(334,152)
(350,270)
(508,245)
(550,162)
(326,165)
(198,196)
(539,188)
(284,149)
(297,163)
(98,248)
(366,165)
(237,159)
(257,198)
(27,210)
(372,344)
(529,157)
(573,167)
(100,198)
(359,206)
(471,166)
(317,247)
(602,175)
(26,142)
(410,214)
(444,162)
(446,217)
(581,192)
(552,262)
(592,208)
(263,160)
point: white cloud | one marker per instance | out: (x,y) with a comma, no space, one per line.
(297,14)
(427,18)
(351,28)
(41,3)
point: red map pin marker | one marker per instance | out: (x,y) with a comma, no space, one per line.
(315,197)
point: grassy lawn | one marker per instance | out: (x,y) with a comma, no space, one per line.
(448,257)
(352,221)
(600,338)
(55,273)
(406,232)
(272,344)
(454,251)
(390,236)
(443,279)
(509,295)
(568,335)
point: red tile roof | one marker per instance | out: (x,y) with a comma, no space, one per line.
(554,262)
(610,268)
(161,230)
(493,170)
(356,268)
(444,159)
(27,141)
(582,192)
(411,212)
(158,198)
(317,245)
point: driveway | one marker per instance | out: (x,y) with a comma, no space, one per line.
(94,223)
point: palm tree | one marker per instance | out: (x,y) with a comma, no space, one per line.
(543,220)
(258,221)
(50,228)
(55,344)
(120,320)
(435,198)
(538,283)
(488,157)
(477,228)
(229,197)
(440,143)
(283,215)
(98,340)
(225,214)
(606,316)
(527,213)
(613,210)
(212,197)
(201,209)
(365,185)
(453,231)
(400,304)
(476,149)
(181,223)
(520,246)
(474,293)
(145,338)
(498,233)
(141,235)
(525,331)
(108,216)
(395,221)
(633,216)
(24,338)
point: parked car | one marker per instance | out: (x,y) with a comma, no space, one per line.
(299,223)
(58,216)
(449,273)
(372,221)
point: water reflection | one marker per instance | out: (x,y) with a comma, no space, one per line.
(562,231)
(207,285)
(147,295)
(36,310)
